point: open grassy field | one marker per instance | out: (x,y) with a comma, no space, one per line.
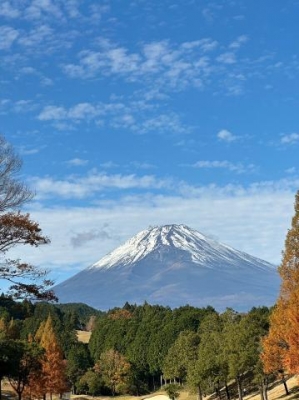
(276,392)
(83,336)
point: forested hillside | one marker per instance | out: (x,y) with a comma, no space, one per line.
(133,350)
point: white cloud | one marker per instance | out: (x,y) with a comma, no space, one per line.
(291,170)
(118,116)
(43,8)
(291,138)
(158,64)
(208,44)
(52,113)
(109,164)
(8,11)
(8,36)
(239,168)
(254,220)
(236,44)
(37,36)
(26,151)
(77,162)
(227,58)
(87,186)
(226,135)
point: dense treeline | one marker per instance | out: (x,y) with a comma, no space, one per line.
(134,349)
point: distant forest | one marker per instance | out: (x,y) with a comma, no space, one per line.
(134,349)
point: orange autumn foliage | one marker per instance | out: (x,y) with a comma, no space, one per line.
(281,345)
(52,378)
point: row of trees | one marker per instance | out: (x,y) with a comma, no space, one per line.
(197,347)
(132,350)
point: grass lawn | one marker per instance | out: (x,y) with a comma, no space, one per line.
(276,392)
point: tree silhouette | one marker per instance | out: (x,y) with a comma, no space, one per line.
(18,229)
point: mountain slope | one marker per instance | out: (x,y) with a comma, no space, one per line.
(174,265)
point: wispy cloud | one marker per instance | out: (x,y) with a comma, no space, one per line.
(227,58)
(165,66)
(213,210)
(38,9)
(170,65)
(80,187)
(238,168)
(291,170)
(8,36)
(77,162)
(236,44)
(82,238)
(226,136)
(117,115)
(8,10)
(291,138)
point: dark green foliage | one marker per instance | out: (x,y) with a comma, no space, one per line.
(78,362)
(80,313)
(90,383)
(173,391)
(181,355)
(24,359)
(194,346)
(144,334)
(16,310)
(64,331)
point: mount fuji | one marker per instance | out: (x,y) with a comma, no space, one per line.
(174,265)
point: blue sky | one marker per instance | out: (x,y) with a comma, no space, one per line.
(135,113)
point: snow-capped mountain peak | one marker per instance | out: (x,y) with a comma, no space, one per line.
(174,265)
(149,240)
(200,248)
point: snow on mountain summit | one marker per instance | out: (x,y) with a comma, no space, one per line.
(174,265)
(199,247)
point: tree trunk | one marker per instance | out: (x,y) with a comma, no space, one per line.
(263,386)
(218,391)
(227,391)
(284,381)
(261,392)
(265,391)
(239,385)
(0,388)
(199,393)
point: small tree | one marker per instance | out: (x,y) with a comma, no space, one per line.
(54,378)
(173,391)
(78,362)
(24,360)
(90,383)
(114,370)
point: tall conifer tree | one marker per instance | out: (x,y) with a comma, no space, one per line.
(281,346)
(53,379)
